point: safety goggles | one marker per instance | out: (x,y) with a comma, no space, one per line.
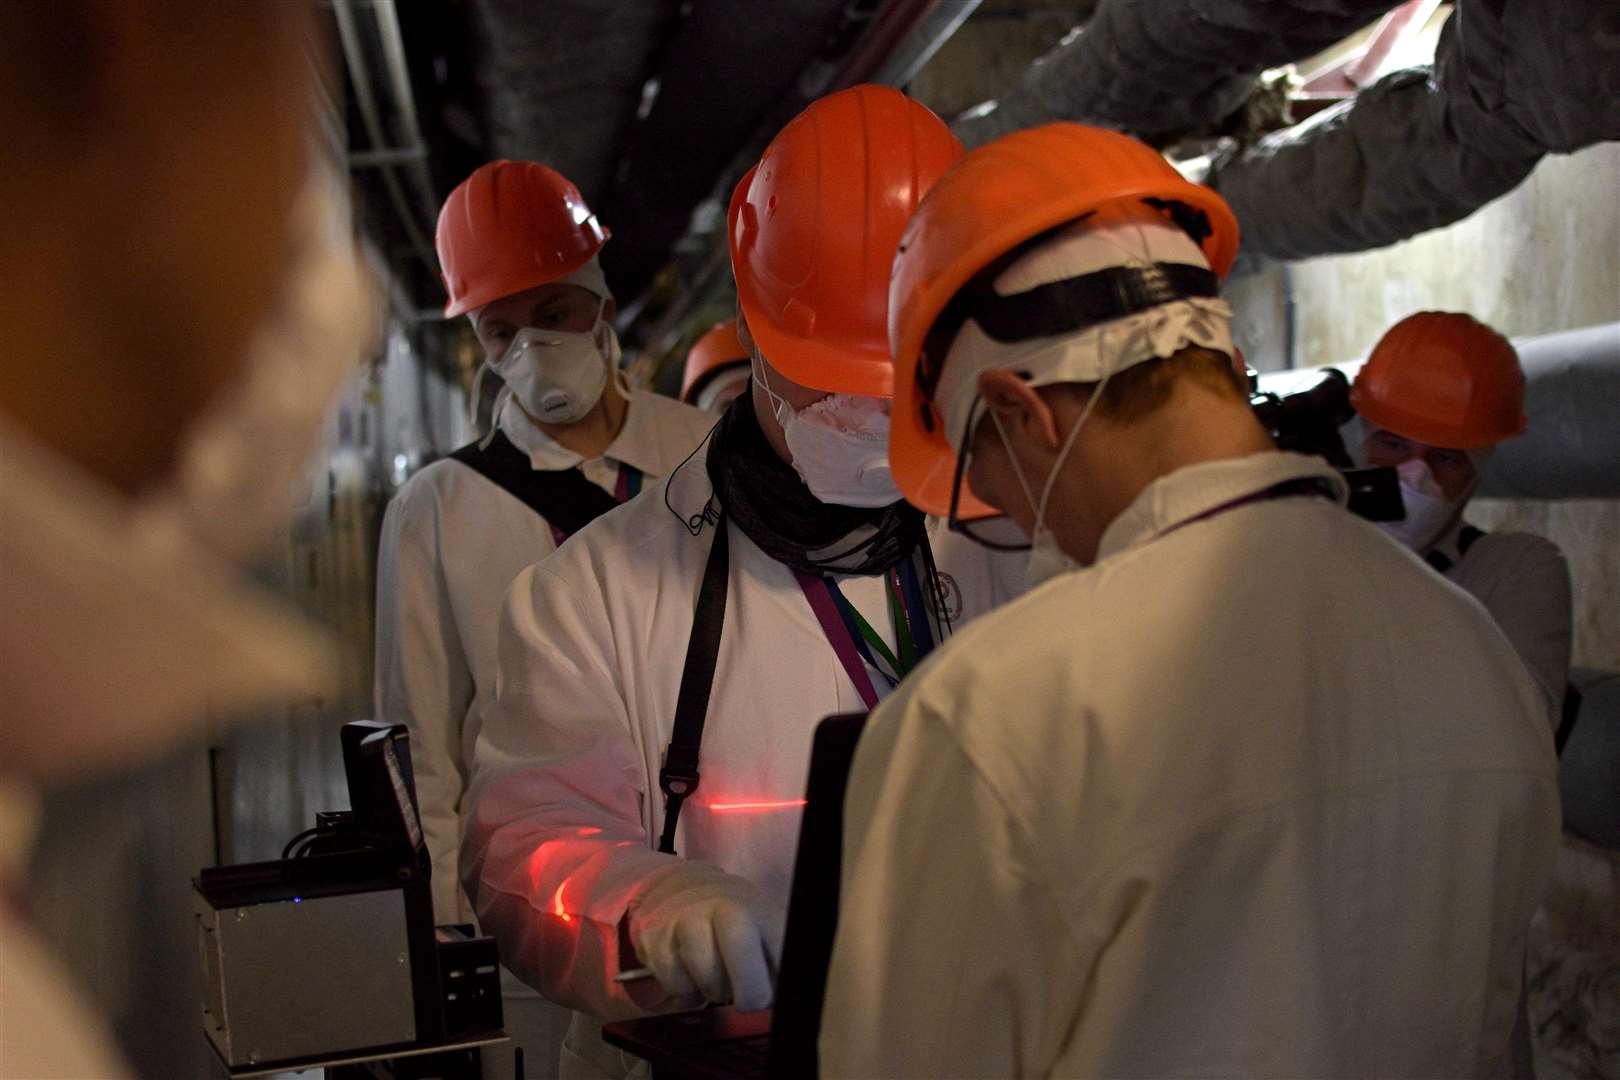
(991,532)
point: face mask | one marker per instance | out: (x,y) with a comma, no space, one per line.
(1047,559)
(1428,511)
(840,447)
(559,376)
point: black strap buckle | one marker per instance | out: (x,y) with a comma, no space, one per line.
(678,783)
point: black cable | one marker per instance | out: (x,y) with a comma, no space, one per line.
(286,852)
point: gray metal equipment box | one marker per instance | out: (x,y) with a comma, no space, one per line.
(302,976)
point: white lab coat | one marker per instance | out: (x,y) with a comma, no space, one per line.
(1523,581)
(452,541)
(1260,795)
(564,808)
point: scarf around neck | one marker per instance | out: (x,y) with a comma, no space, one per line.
(773,507)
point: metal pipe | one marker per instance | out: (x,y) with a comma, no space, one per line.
(1395,28)
(1571,447)
(360,77)
(932,30)
(399,77)
(903,26)
(1426,147)
(376,159)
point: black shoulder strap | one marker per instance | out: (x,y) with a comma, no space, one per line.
(679,776)
(563,497)
(1570,712)
(1467,537)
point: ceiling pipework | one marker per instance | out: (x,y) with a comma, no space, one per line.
(1423,148)
(726,65)
(562,81)
(1160,69)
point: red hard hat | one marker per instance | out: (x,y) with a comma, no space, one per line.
(510,226)
(1000,195)
(1444,379)
(813,229)
(715,351)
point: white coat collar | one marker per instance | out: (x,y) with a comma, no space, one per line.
(1178,497)
(638,443)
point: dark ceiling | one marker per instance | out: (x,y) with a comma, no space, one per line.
(652,107)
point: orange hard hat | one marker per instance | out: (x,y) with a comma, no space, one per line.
(715,351)
(1445,379)
(510,226)
(813,229)
(1000,195)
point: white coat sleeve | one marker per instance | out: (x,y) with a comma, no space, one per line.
(948,955)
(1527,592)
(556,842)
(423,680)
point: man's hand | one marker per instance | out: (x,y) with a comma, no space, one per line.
(706,933)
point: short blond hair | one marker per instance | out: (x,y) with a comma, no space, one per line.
(1142,389)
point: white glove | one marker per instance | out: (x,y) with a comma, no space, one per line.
(707,933)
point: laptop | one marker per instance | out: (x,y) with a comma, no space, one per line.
(727,1044)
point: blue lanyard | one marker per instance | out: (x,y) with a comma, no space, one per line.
(853,639)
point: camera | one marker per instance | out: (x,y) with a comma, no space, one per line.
(1308,422)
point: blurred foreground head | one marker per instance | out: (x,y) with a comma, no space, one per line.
(182,297)
(153,154)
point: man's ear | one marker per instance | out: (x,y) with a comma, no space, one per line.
(1018,406)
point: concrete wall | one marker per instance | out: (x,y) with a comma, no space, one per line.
(1544,257)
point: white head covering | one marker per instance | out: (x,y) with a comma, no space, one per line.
(1098,351)
(590,277)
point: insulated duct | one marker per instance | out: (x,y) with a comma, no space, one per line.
(728,64)
(1160,67)
(1420,149)
(562,81)
(1570,448)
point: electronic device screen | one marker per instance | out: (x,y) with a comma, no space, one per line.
(382,789)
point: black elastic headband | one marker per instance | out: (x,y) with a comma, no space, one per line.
(1078,303)
(1062,307)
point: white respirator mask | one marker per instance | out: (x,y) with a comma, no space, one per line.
(558,375)
(1047,559)
(840,446)
(1428,512)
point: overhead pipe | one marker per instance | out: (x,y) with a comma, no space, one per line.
(1570,448)
(1424,148)
(399,79)
(936,26)
(898,39)
(366,103)
(1159,68)
(727,65)
(1356,71)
